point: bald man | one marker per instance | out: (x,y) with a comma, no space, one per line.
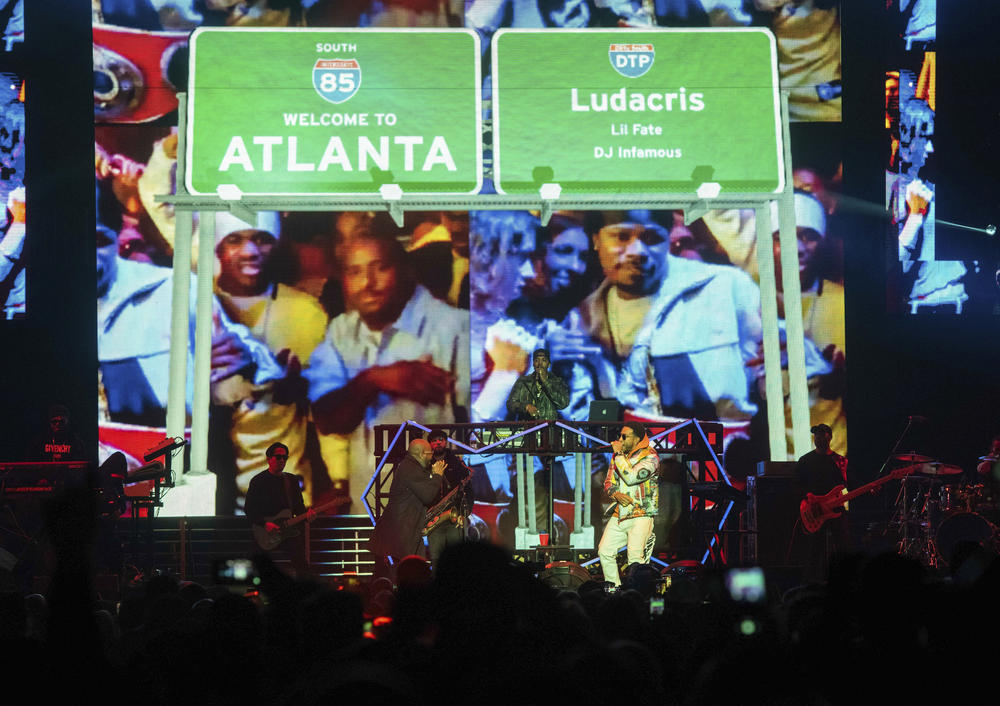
(416,484)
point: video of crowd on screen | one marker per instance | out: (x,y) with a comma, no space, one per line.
(325,325)
(13,218)
(329,324)
(634,306)
(919,280)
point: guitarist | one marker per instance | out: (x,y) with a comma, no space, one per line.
(818,472)
(448,533)
(273,491)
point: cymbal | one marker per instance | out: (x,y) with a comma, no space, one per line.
(912,458)
(989,458)
(940,469)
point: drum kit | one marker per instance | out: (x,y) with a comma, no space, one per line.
(937,512)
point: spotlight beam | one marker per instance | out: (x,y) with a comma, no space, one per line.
(870,208)
(988,230)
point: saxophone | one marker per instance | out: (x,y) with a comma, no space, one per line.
(446,508)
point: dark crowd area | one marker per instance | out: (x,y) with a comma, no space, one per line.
(483,629)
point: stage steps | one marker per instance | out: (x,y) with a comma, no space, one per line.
(187,546)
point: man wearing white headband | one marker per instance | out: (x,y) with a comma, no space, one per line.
(822,313)
(810,230)
(288,321)
(133,336)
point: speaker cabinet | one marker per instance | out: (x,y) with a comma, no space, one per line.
(777,501)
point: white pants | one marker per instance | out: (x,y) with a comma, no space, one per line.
(635,533)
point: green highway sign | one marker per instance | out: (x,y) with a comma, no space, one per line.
(636,111)
(343,111)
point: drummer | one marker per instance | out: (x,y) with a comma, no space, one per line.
(988,476)
(988,469)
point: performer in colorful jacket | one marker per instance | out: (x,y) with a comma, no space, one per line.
(631,483)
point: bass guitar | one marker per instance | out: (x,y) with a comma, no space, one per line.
(815,510)
(287,524)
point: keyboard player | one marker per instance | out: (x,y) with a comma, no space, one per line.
(58,442)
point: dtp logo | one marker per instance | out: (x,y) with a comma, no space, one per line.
(336,80)
(631,60)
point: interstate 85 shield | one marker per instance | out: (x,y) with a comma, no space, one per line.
(336,80)
(295,112)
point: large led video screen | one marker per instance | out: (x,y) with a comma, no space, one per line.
(327,324)
(13,216)
(921,278)
(13,224)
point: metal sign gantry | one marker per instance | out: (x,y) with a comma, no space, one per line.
(393,199)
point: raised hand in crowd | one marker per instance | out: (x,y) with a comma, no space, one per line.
(417,380)
(834,384)
(124,174)
(508,355)
(292,388)
(229,356)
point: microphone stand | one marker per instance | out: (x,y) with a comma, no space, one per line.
(901,495)
(895,447)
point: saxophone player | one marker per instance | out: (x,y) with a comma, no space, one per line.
(416,482)
(451,530)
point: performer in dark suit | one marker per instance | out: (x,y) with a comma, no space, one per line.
(416,484)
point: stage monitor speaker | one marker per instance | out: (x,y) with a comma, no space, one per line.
(778,499)
(564,575)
